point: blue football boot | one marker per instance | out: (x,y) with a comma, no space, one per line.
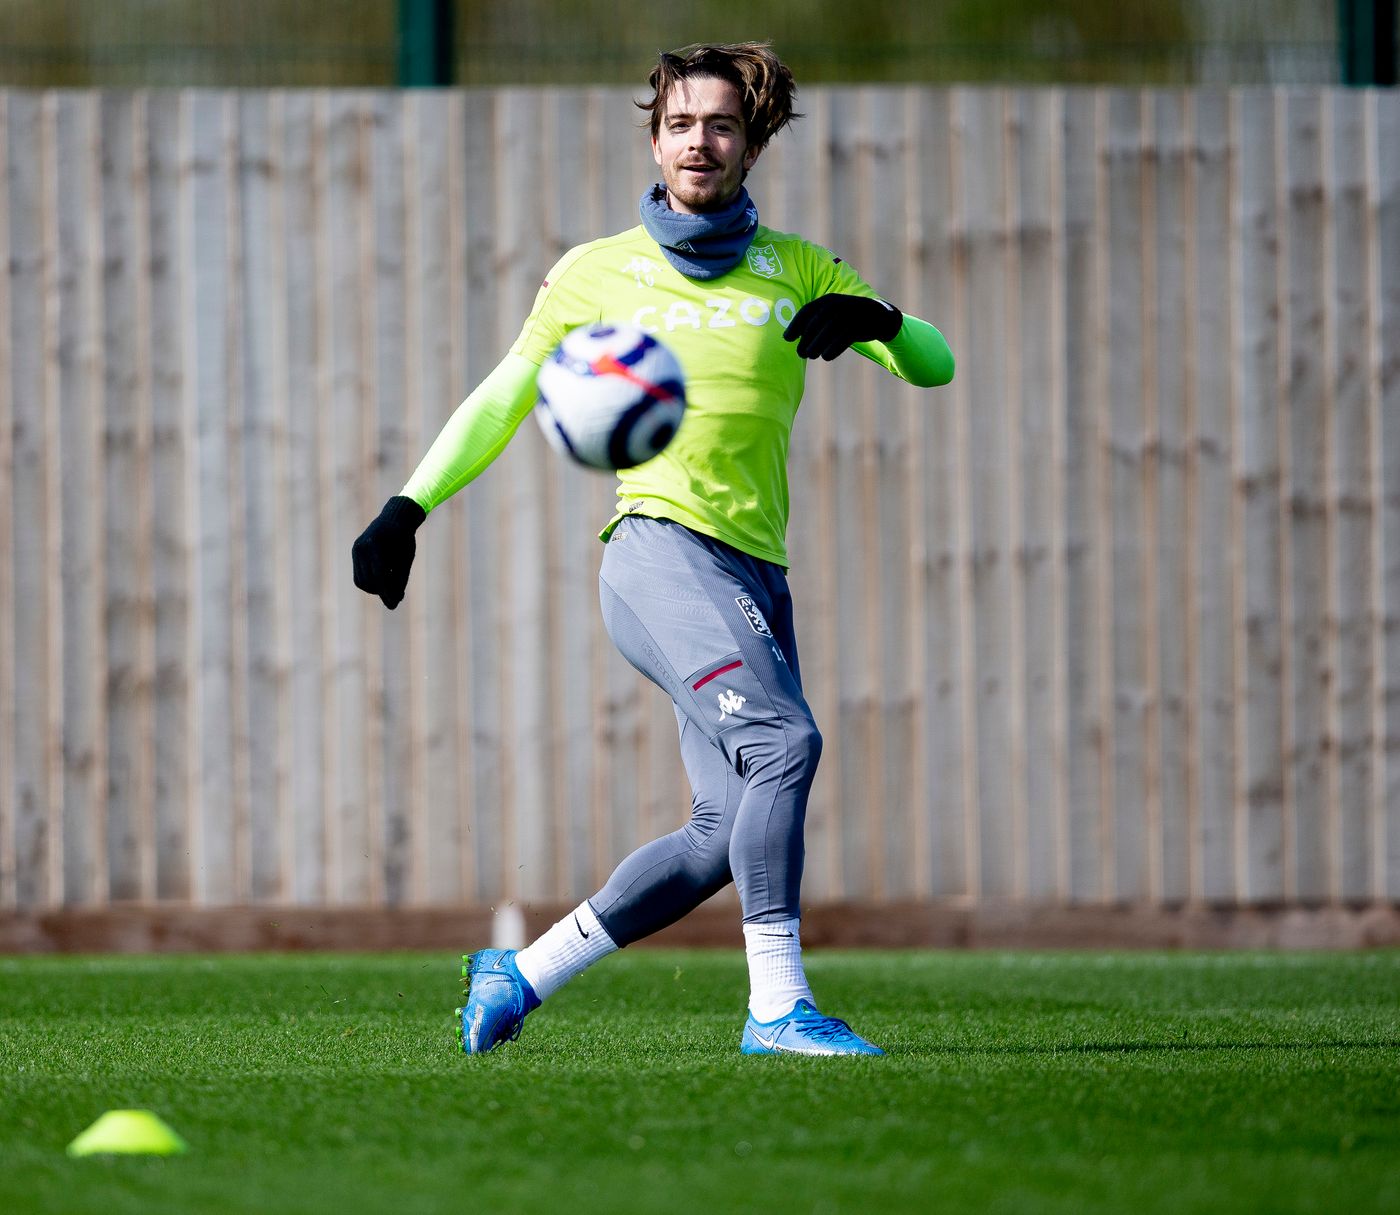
(804,1031)
(498,998)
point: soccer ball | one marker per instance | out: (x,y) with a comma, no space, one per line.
(611,396)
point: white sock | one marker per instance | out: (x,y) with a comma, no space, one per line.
(566,950)
(776,978)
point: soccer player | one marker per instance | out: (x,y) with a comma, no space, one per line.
(693,577)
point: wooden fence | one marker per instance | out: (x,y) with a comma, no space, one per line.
(1115,617)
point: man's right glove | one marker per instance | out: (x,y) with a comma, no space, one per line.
(384,552)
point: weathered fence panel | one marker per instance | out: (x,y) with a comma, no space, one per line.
(1115,617)
(1211,524)
(1169,306)
(1383,220)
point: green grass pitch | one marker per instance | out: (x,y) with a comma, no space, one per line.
(1015,1083)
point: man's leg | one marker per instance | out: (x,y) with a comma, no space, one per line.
(666,879)
(688,614)
(713,627)
(656,885)
(693,616)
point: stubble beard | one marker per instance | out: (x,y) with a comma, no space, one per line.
(700,199)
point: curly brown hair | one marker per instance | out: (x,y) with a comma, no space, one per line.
(765,85)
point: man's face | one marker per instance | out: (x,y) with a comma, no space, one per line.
(701,147)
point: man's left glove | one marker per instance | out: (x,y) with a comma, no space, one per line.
(828,325)
(384,552)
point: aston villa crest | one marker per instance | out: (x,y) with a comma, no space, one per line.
(764,260)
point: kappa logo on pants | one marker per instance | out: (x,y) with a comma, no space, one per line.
(730,702)
(755,617)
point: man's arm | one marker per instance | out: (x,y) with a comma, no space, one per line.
(918,353)
(836,322)
(474,435)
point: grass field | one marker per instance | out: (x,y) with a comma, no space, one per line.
(1015,1083)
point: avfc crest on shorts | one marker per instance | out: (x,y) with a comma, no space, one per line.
(755,617)
(764,260)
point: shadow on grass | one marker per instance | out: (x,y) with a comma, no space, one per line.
(1108,1048)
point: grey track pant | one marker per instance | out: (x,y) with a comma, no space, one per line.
(713,627)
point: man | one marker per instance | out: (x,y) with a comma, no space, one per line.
(693,578)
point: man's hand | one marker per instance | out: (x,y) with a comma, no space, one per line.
(828,325)
(384,552)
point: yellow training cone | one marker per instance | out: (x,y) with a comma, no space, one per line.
(128,1132)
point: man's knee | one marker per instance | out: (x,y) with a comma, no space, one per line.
(786,746)
(806,742)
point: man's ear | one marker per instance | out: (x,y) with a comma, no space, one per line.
(655,150)
(749,157)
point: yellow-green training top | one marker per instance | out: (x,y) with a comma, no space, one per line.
(725,472)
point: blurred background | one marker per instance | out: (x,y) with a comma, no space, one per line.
(1109,627)
(126,43)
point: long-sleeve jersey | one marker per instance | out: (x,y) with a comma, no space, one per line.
(725,472)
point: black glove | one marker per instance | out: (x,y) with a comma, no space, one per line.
(828,325)
(384,552)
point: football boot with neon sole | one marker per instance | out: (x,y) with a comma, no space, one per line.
(498,999)
(804,1031)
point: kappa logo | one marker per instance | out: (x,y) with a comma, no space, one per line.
(643,269)
(755,617)
(764,260)
(730,702)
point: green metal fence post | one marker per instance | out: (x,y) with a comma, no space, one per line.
(1368,41)
(425,43)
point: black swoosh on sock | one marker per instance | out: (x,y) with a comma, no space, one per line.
(579,926)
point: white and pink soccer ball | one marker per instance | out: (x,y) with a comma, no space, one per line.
(610,396)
